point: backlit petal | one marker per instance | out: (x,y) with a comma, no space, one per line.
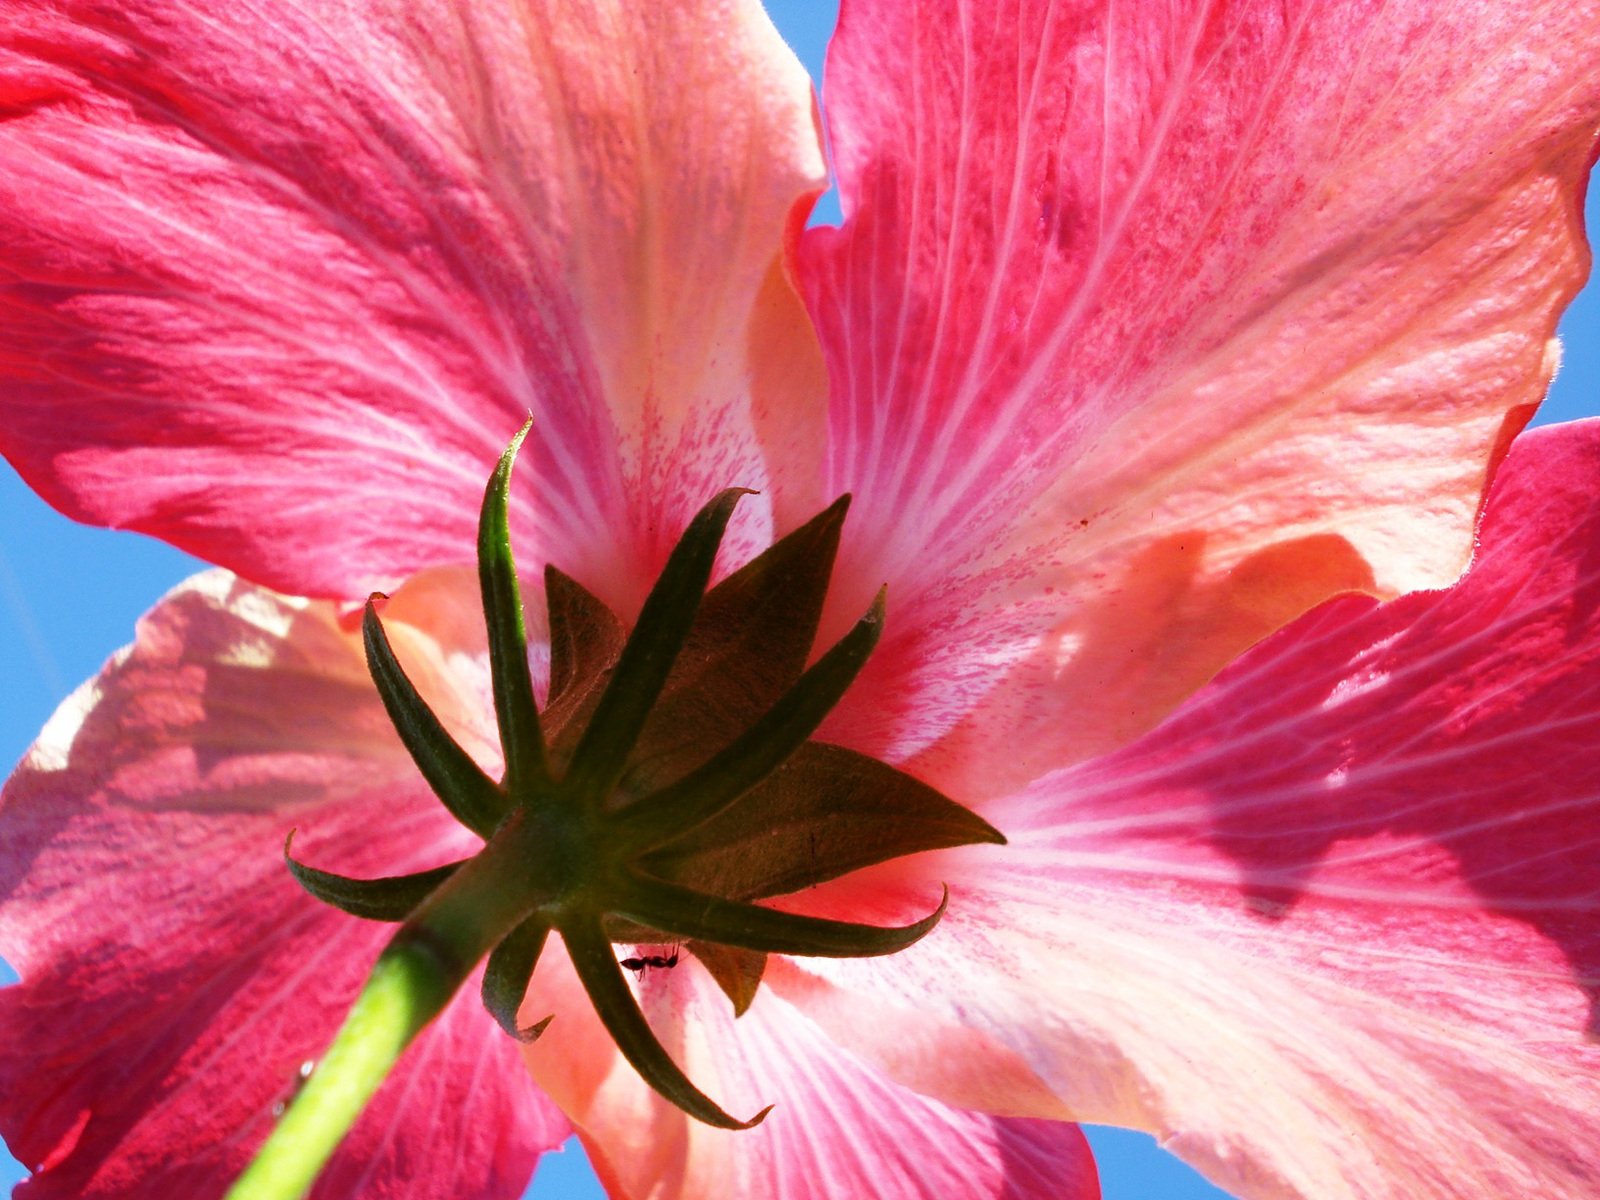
(1151,326)
(1333,929)
(174,977)
(838,1126)
(280,280)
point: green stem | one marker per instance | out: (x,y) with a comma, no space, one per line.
(428,959)
(406,989)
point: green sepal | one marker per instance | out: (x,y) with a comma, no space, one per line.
(690,914)
(601,976)
(641,671)
(755,628)
(515,710)
(471,796)
(391,898)
(586,639)
(506,976)
(747,646)
(825,812)
(737,972)
(699,796)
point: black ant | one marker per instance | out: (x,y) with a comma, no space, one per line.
(661,962)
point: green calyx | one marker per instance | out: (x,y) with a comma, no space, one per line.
(668,784)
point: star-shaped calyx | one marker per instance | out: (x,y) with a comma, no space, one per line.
(668,784)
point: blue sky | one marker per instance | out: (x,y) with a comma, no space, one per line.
(69,596)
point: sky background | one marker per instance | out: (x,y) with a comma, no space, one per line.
(69,596)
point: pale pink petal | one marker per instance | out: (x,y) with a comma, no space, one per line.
(1151,326)
(278,281)
(839,1127)
(174,977)
(1333,929)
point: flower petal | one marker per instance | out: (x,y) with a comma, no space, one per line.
(838,1128)
(174,977)
(1333,929)
(1150,327)
(282,279)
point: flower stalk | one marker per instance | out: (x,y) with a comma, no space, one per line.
(407,989)
(413,980)
(418,972)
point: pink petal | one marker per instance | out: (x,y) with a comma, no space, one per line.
(174,976)
(839,1127)
(282,279)
(1151,326)
(1332,930)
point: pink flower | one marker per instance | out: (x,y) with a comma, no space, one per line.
(1146,332)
